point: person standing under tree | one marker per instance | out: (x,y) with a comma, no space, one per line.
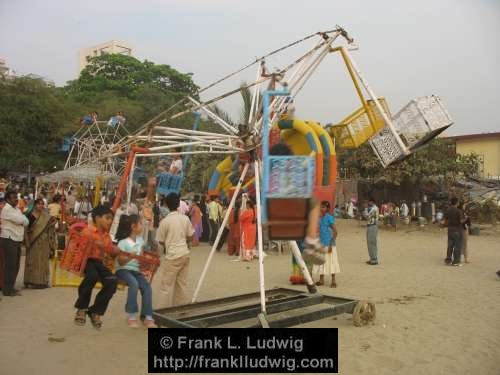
(372,231)
(466,226)
(404,210)
(12,235)
(454,219)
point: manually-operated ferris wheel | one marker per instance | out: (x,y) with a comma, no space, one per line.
(282,185)
(271,119)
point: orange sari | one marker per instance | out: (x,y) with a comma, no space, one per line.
(248,227)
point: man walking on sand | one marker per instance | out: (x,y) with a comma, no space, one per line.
(454,219)
(372,232)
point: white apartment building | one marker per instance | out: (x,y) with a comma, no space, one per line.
(4,69)
(112,46)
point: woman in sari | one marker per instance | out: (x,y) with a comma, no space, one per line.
(40,241)
(233,237)
(248,227)
(196,217)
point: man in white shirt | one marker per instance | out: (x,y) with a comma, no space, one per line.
(174,233)
(404,210)
(69,205)
(350,209)
(12,234)
(83,208)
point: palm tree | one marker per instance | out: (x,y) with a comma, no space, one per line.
(203,167)
(246,97)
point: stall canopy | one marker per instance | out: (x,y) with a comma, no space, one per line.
(82,173)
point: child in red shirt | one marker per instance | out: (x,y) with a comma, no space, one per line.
(96,241)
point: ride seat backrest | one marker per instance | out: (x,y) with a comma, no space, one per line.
(168,183)
(287,218)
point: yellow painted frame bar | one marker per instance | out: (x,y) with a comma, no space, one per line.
(354,79)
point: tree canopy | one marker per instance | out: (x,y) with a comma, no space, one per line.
(438,158)
(34,115)
(127,77)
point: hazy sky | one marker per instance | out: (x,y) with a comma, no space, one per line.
(450,48)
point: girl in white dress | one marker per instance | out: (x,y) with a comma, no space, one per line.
(327,236)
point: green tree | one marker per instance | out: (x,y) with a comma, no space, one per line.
(32,118)
(112,82)
(126,76)
(438,158)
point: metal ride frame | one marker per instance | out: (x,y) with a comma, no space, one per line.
(161,139)
(92,142)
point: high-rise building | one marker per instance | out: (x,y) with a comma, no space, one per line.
(4,69)
(109,47)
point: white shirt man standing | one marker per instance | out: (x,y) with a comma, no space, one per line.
(12,235)
(174,234)
(404,210)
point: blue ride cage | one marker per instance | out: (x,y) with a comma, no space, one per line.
(282,176)
(167,183)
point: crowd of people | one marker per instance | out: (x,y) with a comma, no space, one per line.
(171,227)
(454,219)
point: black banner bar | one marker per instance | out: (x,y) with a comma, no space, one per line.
(274,350)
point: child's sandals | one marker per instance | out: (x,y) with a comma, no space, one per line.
(95,319)
(80,317)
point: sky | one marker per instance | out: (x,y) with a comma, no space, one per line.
(407,49)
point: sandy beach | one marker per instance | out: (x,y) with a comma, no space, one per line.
(431,319)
